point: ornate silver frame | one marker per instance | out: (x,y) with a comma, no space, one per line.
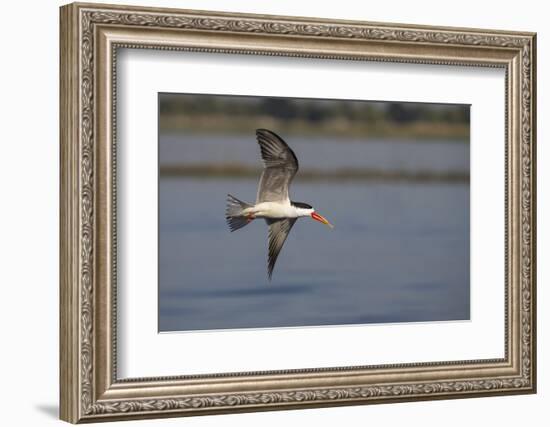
(90,36)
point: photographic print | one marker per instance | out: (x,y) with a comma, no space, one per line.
(288,212)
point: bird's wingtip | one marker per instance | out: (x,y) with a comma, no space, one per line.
(270,269)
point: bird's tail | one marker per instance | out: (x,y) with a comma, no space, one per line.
(234,213)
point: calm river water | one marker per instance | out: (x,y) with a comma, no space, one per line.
(399,251)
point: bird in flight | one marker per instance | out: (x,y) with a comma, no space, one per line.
(272,201)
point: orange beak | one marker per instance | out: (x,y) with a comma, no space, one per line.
(322,219)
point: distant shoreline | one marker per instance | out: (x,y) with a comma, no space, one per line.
(237,171)
(381,129)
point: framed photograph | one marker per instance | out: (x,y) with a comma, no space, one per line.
(266,212)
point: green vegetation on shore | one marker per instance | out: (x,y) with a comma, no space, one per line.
(336,128)
(238,114)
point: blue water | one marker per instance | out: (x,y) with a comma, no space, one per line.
(320,152)
(399,251)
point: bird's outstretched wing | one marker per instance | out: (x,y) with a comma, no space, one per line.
(278,232)
(280,166)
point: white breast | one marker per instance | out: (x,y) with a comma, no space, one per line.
(273,210)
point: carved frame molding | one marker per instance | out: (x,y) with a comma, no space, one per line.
(90,37)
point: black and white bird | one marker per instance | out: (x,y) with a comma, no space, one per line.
(272,201)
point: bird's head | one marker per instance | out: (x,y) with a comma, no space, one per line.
(304,209)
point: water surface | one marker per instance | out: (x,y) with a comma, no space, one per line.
(319,152)
(399,252)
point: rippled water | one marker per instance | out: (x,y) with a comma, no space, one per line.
(399,251)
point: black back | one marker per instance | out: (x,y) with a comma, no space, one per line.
(301,205)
